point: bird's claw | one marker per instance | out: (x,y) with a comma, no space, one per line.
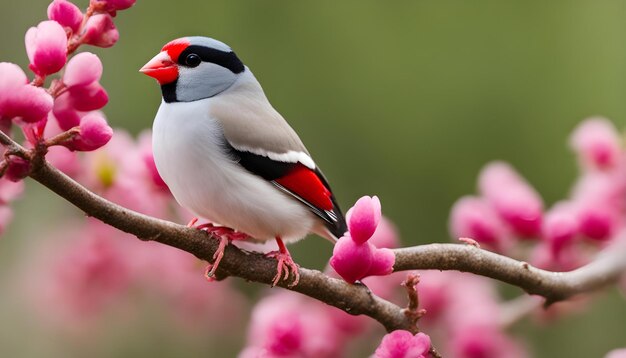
(284,268)
(225,235)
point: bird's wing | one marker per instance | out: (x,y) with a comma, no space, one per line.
(298,180)
(260,139)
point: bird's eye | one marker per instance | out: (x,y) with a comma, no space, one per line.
(192,60)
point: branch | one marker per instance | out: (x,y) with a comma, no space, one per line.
(605,269)
(353,299)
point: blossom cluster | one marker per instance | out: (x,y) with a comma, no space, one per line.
(509,210)
(67,112)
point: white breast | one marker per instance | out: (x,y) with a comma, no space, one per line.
(188,152)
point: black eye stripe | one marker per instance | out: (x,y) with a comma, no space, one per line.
(225,59)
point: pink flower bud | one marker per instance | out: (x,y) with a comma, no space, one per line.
(30,103)
(363,218)
(354,261)
(100,31)
(403,344)
(82,70)
(476,342)
(11,77)
(46,46)
(18,99)
(474,218)
(18,169)
(597,143)
(88,98)
(94,132)
(66,14)
(382,262)
(65,114)
(560,226)
(517,203)
(350,260)
(597,223)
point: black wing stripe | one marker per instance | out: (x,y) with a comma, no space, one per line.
(271,170)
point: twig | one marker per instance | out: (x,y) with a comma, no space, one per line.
(412,311)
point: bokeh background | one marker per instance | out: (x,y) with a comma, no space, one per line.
(405,100)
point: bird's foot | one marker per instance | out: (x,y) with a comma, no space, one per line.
(217,257)
(285,265)
(225,235)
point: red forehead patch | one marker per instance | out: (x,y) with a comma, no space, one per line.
(175,47)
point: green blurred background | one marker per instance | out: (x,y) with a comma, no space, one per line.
(405,100)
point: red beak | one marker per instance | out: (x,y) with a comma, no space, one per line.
(162,68)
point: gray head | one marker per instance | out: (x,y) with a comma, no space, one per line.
(194,68)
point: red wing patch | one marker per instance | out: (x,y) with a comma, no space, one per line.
(305,183)
(175,47)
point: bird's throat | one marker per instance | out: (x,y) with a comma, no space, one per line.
(169,92)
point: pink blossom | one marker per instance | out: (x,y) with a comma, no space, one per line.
(597,143)
(560,226)
(481,342)
(403,344)
(568,258)
(386,235)
(66,14)
(616,353)
(46,46)
(355,259)
(115,172)
(18,169)
(83,94)
(82,70)
(84,277)
(606,188)
(66,116)
(18,98)
(288,325)
(517,203)
(363,218)
(474,218)
(351,260)
(94,132)
(597,223)
(31,104)
(100,31)
(88,98)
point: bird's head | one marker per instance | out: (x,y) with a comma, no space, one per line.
(194,68)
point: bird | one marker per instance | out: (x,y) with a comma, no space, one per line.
(229,157)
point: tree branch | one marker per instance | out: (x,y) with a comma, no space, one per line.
(354,299)
(605,269)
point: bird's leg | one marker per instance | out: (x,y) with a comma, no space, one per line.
(285,264)
(192,222)
(225,235)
